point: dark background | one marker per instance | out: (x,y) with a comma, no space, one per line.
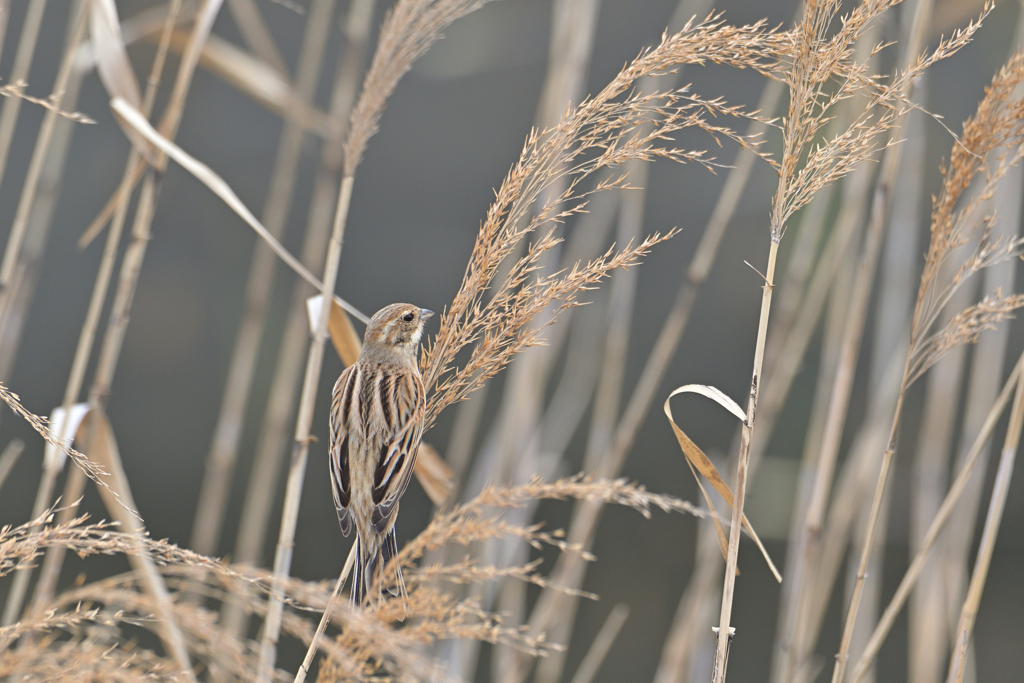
(451,131)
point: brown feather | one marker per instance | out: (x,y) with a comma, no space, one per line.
(376,425)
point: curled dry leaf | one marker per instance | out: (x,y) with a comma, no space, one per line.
(339,327)
(699,462)
(112,63)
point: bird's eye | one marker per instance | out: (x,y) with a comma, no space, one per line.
(407,317)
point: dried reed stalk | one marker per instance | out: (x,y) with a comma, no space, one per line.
(171,119)
(12,252)
(256,33)
(103,444)
(38,232)
(601,644)
(300,448)
(986,374)
(76,480)
(44,493)
(574,25)
(994,126)
(408,31)
(11,453)
(131,265)
(303,671)
(5,15)
(220,463)
(696,609)
(272,442)
(609,442)
(27,38)
(750,40)
(809,541)
(802,300)
(817,59)
(929,622)
(941,518)
(997,503)
(788,652)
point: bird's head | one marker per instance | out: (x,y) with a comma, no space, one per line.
(398,327)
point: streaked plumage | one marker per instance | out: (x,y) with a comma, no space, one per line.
(376,425)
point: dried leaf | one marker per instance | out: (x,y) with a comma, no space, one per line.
(723,541)
(699,461)
(112,63)
(132,117)
(69,431)
(102,447)
(716,395)
(339,327)
(257,79)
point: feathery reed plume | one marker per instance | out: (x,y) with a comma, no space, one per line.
(996,125)
(823,72)
(118,70)
(372,644)
(409,29)
(51,103)
(437,615)
(42,426)
(601,133)
(822,446)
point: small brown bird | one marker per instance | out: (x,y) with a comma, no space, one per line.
(376,425)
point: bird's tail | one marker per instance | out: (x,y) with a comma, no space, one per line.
(364,576)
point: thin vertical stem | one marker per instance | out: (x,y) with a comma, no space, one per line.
(601,644)
(10,456)
(256,33)
(695,610)
(75,483)
(22,61)
(303,671)
(300,448)
(876,505)
(928,619)
(879,216)
(5,16)
(132,264)
(997,503)
(788,620)
(101,441)
(724,630)
(12,252)
(44,493)
(944,514)
(272,443)
(220,463)
(612,459)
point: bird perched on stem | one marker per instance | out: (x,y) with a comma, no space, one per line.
(376,425)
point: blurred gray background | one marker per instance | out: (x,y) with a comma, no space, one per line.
(450,133)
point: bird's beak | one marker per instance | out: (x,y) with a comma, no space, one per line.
(426,314)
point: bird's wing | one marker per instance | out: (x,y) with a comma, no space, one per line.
(341,402)
(398,454)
